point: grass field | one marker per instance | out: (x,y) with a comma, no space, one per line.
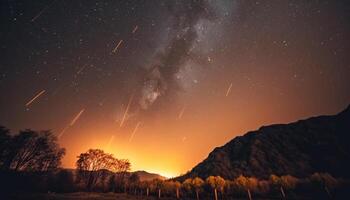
(81,195)
(88,196)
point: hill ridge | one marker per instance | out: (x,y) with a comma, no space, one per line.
(298,148)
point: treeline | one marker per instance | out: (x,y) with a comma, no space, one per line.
(317,186)
(30,160)
(29,151)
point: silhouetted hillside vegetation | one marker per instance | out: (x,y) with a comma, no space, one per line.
(306,159)
(318,144)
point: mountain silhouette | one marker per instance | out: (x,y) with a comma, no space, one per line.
(317,144)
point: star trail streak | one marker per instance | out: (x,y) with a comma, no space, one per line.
(179,71)
(110,141)
(74,120)
(35,97)
(135,29)
(134,131)
(126,111)
(228,90)
(116,48)
(181,113)
(42,11)
(81,69)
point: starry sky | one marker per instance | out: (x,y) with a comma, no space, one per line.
(163,82)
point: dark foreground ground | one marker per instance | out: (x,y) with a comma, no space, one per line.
(79,195)
(95,196)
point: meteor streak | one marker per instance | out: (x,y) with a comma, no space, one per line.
(181,112)
(42,11)
(135,29)
(116,48)
(81,69)
(76,117)
(228,90)
(110,142)
(61,133)
(126,111)
(134,131)
(35,97)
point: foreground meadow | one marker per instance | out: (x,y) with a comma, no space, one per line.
(101,196)
(80,195)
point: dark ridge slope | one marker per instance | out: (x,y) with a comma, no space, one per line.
(317,144)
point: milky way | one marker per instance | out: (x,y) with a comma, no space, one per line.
(139,76)
(160,79)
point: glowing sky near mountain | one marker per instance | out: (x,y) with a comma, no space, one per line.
(164,82)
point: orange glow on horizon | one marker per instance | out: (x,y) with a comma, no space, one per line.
(173,140)
(152,161)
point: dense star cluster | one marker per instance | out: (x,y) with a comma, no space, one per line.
(166,72)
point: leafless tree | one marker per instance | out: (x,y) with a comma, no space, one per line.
(90,166)
(32,151)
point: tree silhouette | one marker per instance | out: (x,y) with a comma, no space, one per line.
(177,186)
(64,181)
(169,187)
(134,181)
(247,184)
(145,185)
(90,166)
(159,185)
(121,168)
(288,182)
(284,182)
(5,140)
(194,184)
(216,182)
(30,151)
(263,186)
(325,181)
(111,183)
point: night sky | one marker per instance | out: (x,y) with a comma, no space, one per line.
(164,82)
